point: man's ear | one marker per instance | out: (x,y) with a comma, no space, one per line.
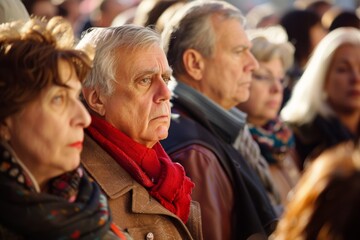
(94,100)
(194,63)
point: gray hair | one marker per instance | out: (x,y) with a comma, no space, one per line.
(191,27)
(307,98)
(108,41)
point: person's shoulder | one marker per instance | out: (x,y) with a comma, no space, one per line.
(113,179)
(185,131)
(306,133)
(195,151)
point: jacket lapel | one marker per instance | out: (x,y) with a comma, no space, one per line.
(115,181)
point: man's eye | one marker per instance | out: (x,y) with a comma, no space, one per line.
(166,79)
(241,50)
(145,81)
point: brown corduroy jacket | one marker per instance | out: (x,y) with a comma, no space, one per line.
(133,209)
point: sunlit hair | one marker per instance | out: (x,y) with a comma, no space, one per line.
(29,56)
(268,46)
(325,204)
(191,28)
(307,98)
(108,42)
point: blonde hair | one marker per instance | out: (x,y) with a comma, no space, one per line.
(270,43)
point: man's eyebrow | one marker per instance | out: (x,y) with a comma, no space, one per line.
(242,47)
(168,71)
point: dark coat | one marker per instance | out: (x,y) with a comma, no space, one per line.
(313,138)
(233,201)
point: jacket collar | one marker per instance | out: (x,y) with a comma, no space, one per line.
(228,122)
(115,181)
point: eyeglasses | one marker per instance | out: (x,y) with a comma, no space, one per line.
(269,79)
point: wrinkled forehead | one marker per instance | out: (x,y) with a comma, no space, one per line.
(150,58)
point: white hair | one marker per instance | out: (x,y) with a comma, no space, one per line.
(307,98)
(108,41)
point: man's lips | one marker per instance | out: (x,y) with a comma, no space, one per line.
(161,116)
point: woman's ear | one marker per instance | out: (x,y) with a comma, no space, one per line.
(94,100)
(194,64)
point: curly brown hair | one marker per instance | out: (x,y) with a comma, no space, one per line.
(29,57)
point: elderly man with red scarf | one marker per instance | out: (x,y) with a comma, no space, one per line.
(129,101)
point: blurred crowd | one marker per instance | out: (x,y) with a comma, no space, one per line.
(102,13)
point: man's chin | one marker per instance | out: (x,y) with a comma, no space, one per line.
(162,133)
(243,97)
(163,136)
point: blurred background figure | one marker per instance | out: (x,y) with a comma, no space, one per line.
(11,10)
(106,11)
(165,17)
(318,6)
(275,55)
(45,194)
(71,11)
(262,15)
(345,19)
(149,12)
(325,205)
(304,30)
(337,17)
(41,8)
(324,108)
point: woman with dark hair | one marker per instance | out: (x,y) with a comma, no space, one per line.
(44,194)
(304,30)
(345,19)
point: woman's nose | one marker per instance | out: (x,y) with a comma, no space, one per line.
(82,117)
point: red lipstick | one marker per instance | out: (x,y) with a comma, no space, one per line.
(78,145)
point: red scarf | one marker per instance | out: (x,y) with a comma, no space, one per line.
(151,167)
